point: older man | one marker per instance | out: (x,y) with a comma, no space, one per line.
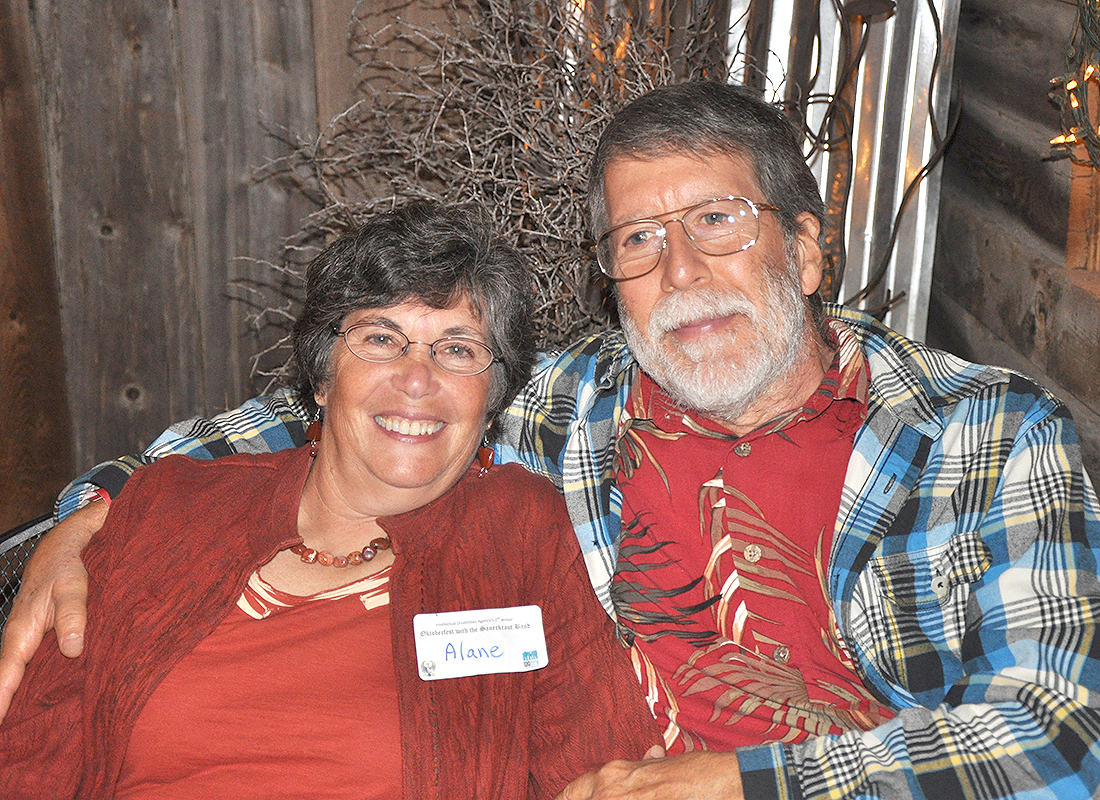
(846,565)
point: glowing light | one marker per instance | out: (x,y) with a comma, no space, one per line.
(1065,138)
(1071,85)
(1090,70)
(1073,101)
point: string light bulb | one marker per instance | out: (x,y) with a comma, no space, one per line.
(1075,94)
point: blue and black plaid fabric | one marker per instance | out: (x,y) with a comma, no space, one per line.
(261,425)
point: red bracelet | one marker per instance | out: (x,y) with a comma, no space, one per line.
(99,493)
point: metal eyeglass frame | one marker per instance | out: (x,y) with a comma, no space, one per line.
(409,342)
(756,208)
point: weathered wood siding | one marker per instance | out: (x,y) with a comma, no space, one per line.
(34,442)
(1001,290)
(337,71)
(158,116)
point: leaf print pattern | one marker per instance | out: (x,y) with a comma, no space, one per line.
(711,628)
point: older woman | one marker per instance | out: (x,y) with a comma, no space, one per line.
(252,618)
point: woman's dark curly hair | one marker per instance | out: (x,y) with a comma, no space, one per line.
(429,253)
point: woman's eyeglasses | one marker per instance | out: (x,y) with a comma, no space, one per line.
(377,343)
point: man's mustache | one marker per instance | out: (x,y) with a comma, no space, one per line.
(688,308)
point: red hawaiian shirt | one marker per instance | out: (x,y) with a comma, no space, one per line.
(721,580)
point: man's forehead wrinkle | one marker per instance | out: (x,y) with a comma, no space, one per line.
(656,192)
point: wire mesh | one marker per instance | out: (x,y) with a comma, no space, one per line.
(16,547)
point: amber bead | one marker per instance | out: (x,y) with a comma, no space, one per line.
(307,554)
(326,559)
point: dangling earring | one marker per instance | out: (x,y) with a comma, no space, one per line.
(485,456)
(313,433)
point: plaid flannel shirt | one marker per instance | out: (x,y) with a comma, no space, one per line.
(260,425)
(963,571)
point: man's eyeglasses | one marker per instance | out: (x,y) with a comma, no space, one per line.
(716,227)
(457,355)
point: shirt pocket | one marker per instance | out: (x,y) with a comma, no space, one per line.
(915,610)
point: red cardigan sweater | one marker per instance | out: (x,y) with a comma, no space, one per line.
(174,555)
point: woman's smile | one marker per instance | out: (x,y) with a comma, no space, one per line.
(409,427)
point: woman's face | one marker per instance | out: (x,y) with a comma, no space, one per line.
(403,432)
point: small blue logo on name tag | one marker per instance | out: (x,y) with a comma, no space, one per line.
(530,658)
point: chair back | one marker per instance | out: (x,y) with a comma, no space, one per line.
(16,547)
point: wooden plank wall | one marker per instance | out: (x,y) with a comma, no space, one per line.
(34,442)
(157,115)
(337,71)
(1002,292)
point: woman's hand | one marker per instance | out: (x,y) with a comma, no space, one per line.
(53,594)
(692,776)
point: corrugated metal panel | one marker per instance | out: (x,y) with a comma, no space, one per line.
(891,132)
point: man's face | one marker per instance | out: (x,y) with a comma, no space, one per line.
(718,333)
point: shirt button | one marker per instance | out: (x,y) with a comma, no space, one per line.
(743,449)
(781,655)
(939,586)
(753,553)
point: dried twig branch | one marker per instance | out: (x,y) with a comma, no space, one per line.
(501,104)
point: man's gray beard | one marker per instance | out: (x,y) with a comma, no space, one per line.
(705,377)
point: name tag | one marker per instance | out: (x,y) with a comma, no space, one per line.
(485,641)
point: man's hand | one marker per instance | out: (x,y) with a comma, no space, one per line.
(53,594)
(692,776)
